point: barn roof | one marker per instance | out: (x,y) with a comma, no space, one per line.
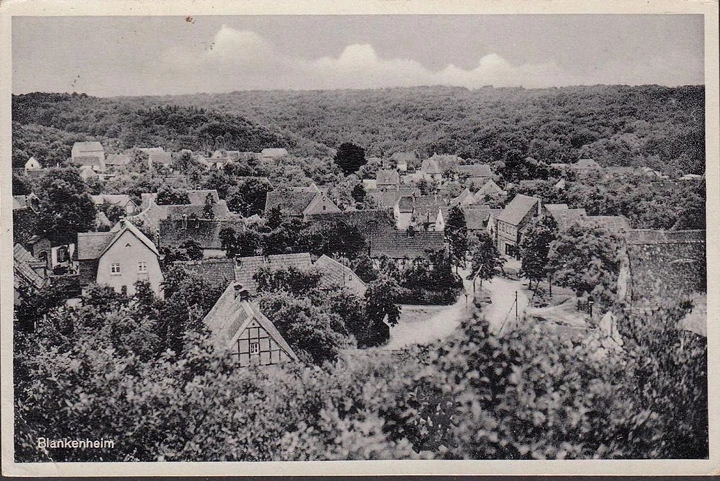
(23,262)
(476,217)
(117,159)
(247,267)
(206,232)
(517,209)
(465,198)
(292,202)
(337,274)
(86,147)
(401,244)
(92,244)
(215,269)
(565,217)
(388,198)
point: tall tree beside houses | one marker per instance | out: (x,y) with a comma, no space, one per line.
(382,308)
(65,206)
(486,260)
(350,157)
(456,234)
(586,259)
(535,247)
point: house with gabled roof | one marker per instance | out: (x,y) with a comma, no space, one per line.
(89,154)
(488,189)
(512,220)
(123,201)
(464,198)
(388,180)
(119,258)
(238,327)
(403,160)
(300,202)
(477,217)
(117,161)
(32,165)
(423,212)
(334,275)
(477,174)
(404,246)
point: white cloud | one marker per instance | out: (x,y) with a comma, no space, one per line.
(236,60)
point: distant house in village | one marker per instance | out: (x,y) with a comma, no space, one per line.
(177,229)
(388,198)
(335,274)
(369,184)
(404,246)
(32,166)
(123,201)
(563,215)
(157,157)
(273,153)
(423,212)
(87,172)
(387,180)
(477,174)
(247,267)
(434,167)
(560,185)
(238,328)
(404,160)
(511,222)
(367,221)
(300,202)
(119,258)
(464,198)
(30,272)
(488,189)
(89,154)
(117,161)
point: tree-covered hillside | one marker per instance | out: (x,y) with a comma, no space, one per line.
(659,127)
(46,126)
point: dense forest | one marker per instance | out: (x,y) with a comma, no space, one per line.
(46,126)
(658,127)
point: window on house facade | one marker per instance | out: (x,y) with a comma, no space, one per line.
(254,348)
(142,266)
(115,268)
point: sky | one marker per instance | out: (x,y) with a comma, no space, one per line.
(113,56)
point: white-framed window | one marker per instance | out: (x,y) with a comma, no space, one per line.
(142,266)
(115,268)
(254,348)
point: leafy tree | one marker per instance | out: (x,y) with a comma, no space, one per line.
(456,234)
(486,260)
(192,249)
(358,192)
(535,246)
(65,207)
(20,185)
(350,157)
(291,279)
(171,196)
(382,309)
(248,196)
(585,259)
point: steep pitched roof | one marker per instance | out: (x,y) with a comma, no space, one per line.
(475,170)
(428,207)
(388,198)
(431,166)
(563,218)
(336,274)
(488,188)
(120,200)
(401,245)
(366,221)
(465,198)
(517,209)
(231,315)
(321,199)
(247,267)
(127,226)
(92,244)
(291,202)
(220,211)
(387,177)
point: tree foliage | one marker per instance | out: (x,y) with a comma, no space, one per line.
(350,157)
(65,207)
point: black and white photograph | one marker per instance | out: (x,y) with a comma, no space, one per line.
(359,237)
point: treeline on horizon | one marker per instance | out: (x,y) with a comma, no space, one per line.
(637,126)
